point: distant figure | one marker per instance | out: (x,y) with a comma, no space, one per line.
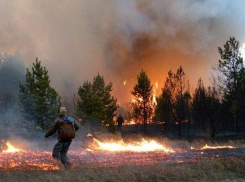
(66,127)
(119,123)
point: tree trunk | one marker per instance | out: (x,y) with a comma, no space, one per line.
(179,128)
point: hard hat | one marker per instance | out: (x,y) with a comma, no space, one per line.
(62,111)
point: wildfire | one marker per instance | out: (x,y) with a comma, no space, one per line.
(129,122)
(11,148)
(156,84)
(154,93)
(208,147)
(110,154)
(89,135)
(217,147)
(142,146)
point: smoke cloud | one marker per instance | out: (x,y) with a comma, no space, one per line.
(76,40)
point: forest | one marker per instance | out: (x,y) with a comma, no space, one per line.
(28,101)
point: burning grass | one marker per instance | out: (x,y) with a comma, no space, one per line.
(132,161)
(231,169)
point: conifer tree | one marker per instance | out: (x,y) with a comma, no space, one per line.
(95,100)
(206,108)
(143,106)
(174,103)
(230,80)
(39,102)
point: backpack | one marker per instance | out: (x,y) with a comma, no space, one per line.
(67,129)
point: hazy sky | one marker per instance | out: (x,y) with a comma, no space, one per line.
(77,39)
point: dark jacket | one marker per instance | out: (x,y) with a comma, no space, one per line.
(56,126)
(120,120)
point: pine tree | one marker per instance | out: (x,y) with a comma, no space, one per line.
(95,100)
(206,108)
(143,106)
(230,79)
(164,108)
(39,102)
(176,96)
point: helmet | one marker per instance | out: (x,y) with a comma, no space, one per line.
(62,111)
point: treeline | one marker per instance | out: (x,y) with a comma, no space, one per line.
(210,110)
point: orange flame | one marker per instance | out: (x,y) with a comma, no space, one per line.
(11,148)
(216,147)
(142,146)
(156,84)
(154,93)
(89,135)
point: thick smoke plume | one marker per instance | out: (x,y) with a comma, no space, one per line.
(76,40)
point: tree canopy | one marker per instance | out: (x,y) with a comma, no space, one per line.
(95,100)
(143,106)
(230,80)
(39,102)
(173,105)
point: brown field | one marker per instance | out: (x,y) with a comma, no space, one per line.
(229,169)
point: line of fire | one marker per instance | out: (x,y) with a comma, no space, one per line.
(112,154)
(164,125)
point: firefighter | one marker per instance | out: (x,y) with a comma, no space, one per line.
(120,121)
(64,141)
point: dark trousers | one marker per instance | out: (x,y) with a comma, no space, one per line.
(119,128)
(60,151)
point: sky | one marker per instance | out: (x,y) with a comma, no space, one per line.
(78,39)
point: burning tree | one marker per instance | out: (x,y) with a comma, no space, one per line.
(143,105)
(38,101)
(95,100)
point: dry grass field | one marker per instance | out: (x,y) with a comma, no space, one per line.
(231,169)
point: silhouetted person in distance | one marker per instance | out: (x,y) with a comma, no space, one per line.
(119,123)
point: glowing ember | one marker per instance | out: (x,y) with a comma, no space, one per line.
(130,122)
(217,147)
(89,135)
(156,84)
(154,97)
(142,146)
(11,148)
(154,93)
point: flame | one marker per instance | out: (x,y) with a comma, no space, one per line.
(134,99)
(104,155)
(130,122)
(142,146)
(11,148)
(89,135)
(156,84)
(124,83)
(216,147)
(15,158)
(154,93)
(154,97)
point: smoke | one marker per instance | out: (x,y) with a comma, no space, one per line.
(76,40)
